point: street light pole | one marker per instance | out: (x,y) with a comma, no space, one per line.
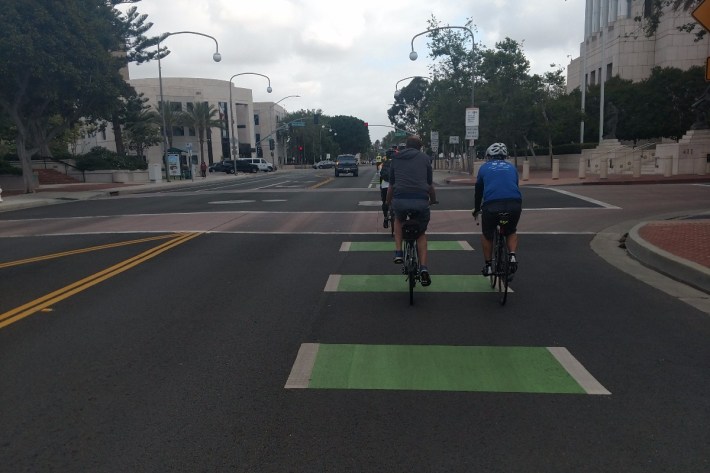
(272,118)
(413,54)
(235,138)
(216,57)
(397,92)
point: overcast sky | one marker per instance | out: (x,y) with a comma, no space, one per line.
(345,57)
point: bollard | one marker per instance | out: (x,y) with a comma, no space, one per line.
(582,168)
(603,168)
(636,166)
(555,168)
(526,170)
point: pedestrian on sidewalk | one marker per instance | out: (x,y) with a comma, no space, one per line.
(203,169)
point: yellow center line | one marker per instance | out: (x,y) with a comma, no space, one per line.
(48,300)
(83,250)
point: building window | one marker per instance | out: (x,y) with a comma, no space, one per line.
(608,71)
(256,119)
(593,78)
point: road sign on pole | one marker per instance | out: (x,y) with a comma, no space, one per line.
(472,116)
(702,14)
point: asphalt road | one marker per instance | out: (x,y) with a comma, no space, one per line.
(128,347)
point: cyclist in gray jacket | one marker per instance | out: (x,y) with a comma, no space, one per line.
(412,190)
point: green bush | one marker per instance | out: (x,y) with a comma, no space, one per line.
(99,159)
(7,168)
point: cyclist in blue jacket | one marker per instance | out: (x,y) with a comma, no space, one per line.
(497,191)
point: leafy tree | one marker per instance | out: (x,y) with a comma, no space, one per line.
(56,67)
(201,117)
(406,112)
(655,9)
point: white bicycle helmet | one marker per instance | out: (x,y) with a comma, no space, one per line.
(497,151)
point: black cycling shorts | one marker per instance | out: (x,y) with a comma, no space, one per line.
(489,216)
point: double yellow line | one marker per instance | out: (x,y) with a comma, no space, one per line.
(52,298)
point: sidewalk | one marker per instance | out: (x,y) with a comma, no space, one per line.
(677,248)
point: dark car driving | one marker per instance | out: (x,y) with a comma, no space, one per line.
(346,163)
(227,166)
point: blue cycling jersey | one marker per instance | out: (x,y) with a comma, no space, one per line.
(497,180)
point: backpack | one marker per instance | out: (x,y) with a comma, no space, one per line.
(385,171)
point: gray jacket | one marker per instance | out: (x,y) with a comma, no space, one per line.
(410,174)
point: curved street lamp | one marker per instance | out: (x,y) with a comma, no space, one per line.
(273,123)
(216,57)
(235,138)
(397,91)
(413,55)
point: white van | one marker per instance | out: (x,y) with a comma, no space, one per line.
(261,163)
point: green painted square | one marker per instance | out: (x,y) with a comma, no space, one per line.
(389,246)
(398,283)
(440,368)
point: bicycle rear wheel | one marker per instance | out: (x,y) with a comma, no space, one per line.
(411,266)
(504,272)
(495,257)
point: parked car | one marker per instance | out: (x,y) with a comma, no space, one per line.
(346,163)
(260,163)
(227,166)
(324,164)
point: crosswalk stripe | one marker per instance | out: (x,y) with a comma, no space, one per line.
(460,245)
(513,369)
(397,283)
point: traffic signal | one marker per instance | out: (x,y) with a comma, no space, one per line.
(316,119)
(366,125)
(300,148)
(271,144)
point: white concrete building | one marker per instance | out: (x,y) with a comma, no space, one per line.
(253,122)
(615,44)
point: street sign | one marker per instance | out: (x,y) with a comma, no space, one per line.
(702,14)
(472,116)
(471,132)
(298,123)
(400,133)
(453,140)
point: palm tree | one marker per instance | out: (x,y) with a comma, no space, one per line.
(201,117)
(171,117)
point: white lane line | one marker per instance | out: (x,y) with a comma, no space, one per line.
(587,199)
(465,245)
(302,368)
(333,283)
(345,246)
(583,377)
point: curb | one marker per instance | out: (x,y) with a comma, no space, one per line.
(678,268)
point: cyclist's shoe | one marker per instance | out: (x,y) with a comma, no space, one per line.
(398,257)
(386,223)
(512,264)
(487,270)
(424,276)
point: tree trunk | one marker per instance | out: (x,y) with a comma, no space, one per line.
(25,156)
(118,134)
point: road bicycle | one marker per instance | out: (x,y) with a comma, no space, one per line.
(500,258)
(390,217)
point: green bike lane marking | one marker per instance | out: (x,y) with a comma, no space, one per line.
(397,283)
(389,246)
(548,370)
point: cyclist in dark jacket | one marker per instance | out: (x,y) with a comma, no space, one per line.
(411,189)
(497,191)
